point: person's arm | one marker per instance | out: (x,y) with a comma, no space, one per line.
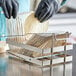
(47,8)
(9,7)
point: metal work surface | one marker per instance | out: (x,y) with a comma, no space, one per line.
(14,67)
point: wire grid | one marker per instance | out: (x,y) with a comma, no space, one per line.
(51,51)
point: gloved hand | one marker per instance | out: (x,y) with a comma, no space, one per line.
(9,7)
(46,9)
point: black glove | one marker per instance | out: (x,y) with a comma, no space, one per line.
(46,9)
(9,7)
